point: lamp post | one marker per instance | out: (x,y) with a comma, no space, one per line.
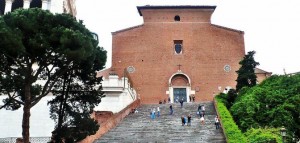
(283,133)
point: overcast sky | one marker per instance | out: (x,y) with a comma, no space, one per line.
(271,27)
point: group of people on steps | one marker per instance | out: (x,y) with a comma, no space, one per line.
(155,112)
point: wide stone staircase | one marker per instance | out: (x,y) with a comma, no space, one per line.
(139,127)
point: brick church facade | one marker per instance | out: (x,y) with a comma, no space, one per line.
(176,53)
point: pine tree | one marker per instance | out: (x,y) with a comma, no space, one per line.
(76,96)
(246,75)
(37,45)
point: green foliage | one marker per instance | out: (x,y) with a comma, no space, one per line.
(36,37)
(231,130)
(222,97)
(267,135)
(76,97)
(229,98)
(77,129)
(246,75)
(273,103)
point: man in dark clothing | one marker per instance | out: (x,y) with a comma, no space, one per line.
(171,110)
(201,114)
(182,120)
(199,108)
(189,118)
(181,102)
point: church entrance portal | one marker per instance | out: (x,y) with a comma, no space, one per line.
(179,87)
(179,94)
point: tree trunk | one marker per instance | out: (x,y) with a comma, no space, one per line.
(26,114)
(58,137)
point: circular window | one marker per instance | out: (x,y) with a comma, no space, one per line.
(177,18)
(227,68)
(130,69)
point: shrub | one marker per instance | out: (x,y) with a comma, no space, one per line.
(260,135)
(231,130)
(273,103)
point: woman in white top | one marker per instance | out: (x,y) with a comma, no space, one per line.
(202,120)
(217,122)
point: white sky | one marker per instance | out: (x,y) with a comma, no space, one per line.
(271,27)
(41,125)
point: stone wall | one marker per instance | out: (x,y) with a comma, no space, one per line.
(109,121)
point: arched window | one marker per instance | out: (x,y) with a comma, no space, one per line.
(177,18)
(180,80)
(178,46)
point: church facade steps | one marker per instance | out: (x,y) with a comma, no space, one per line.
(139,127)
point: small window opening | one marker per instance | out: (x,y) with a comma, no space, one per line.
(36,3)
(17,4)
(178,46)
(177,18)
(2,6)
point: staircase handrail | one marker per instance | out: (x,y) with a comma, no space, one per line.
(130,85)
(126,74)
(132,96)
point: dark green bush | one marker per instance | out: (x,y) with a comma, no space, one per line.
(273,103)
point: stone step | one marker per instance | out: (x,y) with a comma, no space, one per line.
(139,127)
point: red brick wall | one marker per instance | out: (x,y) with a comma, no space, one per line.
(167,15)
(149,48)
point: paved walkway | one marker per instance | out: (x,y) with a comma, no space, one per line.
(139,127)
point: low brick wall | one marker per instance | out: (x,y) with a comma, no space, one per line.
(111,122)
(102,116)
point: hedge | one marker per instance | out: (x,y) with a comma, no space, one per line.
(232,132)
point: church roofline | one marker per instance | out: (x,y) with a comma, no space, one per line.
(175,7)
(226,28)
(260,71)
(126,29)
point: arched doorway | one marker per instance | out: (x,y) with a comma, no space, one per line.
(179,87)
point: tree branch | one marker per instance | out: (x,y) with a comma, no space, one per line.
(48,86)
